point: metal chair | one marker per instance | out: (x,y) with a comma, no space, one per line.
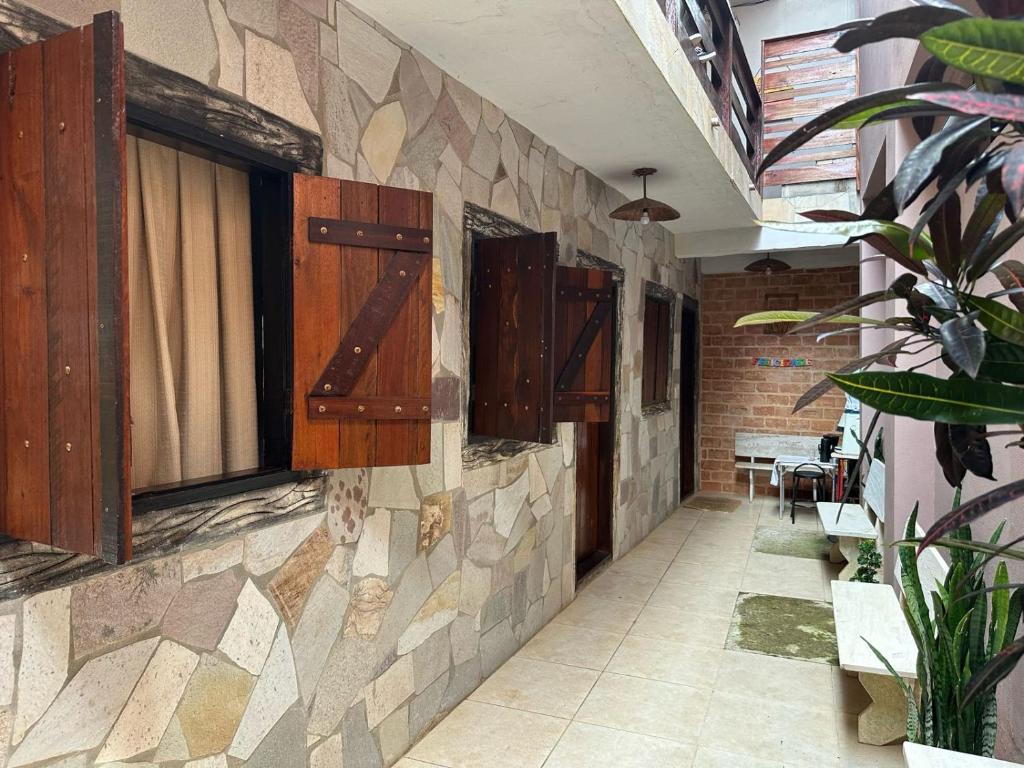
(807,471)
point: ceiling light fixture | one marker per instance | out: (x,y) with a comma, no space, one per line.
(767,266)
(645,210)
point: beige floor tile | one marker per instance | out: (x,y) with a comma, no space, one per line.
(683,520)
(537,686)
(478,735)
(716,758)
(853,754)
(784,576)
(848,695)
(408,762)
(648,707)
(588,746)
(699,552)
(774,679)
(792,735)
(633,565)
(686,627)
(575,646)
(667,661)
(598,613)
(725,574)
(695,597)
(663,535)
(621,586)
(652,550)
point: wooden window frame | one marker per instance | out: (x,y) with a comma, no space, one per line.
(270,203)
(660,358)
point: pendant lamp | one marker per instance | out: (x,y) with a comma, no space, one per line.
(645,210)
(767,266)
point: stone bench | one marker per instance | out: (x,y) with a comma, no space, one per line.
(872,613)
(920,756)
(850,524)
(759,451)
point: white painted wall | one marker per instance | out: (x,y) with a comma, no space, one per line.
(759,21)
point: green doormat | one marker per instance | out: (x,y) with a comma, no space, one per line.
(712,503)
(786,541)
(784,626)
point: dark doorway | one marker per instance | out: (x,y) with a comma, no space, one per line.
(595,493)
(688,390)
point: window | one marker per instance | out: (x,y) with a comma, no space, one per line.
(208,282)
(657,343)
(269,309)
(541,340)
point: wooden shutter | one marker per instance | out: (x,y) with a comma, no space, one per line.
(513,310)
(64,440)
(584,343)
(362,315)
(656,341)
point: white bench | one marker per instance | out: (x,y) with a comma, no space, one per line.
(872,613)
(851,524)
(761,451)
(920,756)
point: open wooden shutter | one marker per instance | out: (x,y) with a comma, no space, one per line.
(656,341)
(64,439)
(513,295)
(362,315)
(584,344)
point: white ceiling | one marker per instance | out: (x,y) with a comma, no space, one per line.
(604,81)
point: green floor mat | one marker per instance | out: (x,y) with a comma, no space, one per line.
(784,626)
(775,540)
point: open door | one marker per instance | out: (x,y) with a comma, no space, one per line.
(688,392)
(64,425)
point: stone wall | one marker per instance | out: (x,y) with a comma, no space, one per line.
(346,630)
(735,396)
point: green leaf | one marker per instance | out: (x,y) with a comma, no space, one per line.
(825,385)
(970,511)
(991,253)
(998,667)
(857,110)
(796,316)
(1000,610)
(984,47)
(953,401)
(986,212)
(877,242)
(1003,362)
(964,342)
(906,22)
(1003,321)
(897,234)
(1013,178)
(1011,276)
(922,164)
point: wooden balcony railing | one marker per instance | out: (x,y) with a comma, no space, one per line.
(707,31)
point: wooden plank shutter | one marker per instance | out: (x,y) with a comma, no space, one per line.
(584,344)
(362,315)
(64,440)
(513,295)
(656,340)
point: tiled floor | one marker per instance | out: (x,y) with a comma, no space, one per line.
(635,674)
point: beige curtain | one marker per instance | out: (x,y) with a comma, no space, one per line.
(193,380)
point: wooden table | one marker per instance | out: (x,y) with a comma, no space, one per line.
(872,612)
(787,464)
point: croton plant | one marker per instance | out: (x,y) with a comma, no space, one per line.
(966,177)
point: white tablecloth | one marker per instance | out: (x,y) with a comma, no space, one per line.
(788,460)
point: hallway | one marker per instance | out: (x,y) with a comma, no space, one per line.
(649,667)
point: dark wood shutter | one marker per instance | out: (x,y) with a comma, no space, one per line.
(362,314)
(64,439)
(656,340)
(584,344)
(513,295)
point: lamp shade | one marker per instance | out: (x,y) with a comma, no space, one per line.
(646,209)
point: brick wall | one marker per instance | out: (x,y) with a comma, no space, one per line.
(735,395)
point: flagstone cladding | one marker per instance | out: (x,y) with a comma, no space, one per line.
(343,632)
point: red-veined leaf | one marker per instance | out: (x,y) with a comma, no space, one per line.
(972,510)
(998,105)
(1013,178)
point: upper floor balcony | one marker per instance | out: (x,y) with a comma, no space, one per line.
(615,85)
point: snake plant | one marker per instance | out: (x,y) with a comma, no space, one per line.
(969,625)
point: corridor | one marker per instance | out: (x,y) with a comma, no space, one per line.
(662,661)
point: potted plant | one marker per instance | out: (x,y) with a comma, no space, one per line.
(971,153)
